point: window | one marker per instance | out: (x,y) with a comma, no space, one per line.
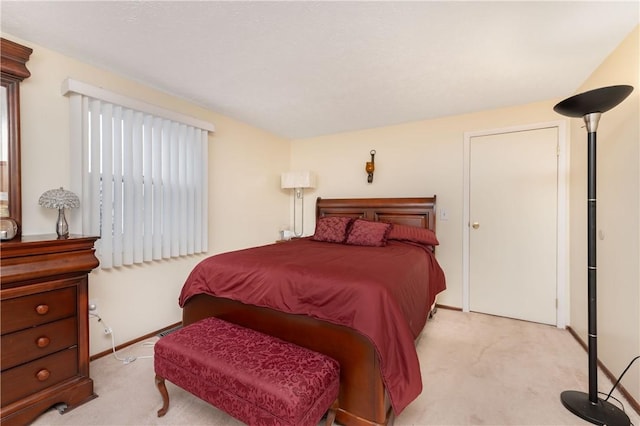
(141,174)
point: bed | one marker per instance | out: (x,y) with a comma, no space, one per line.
(371,334)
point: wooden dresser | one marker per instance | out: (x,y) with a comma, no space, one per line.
(45,333)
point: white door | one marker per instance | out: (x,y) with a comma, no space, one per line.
(513,183)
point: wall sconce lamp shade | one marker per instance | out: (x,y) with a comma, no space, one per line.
(590,106)
(60,199)
(298,181)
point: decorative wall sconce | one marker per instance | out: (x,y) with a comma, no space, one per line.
(371,166)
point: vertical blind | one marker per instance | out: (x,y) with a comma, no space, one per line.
(143,180)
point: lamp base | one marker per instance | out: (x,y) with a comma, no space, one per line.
(602,413)
(62,227)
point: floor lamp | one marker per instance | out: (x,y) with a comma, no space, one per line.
(590,105)
(298,181)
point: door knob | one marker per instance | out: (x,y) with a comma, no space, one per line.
(475,225)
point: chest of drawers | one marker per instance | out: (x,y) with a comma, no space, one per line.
(44,325)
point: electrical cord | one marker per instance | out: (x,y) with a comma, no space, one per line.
(616,385)
(621,375)
(620,404)
(109,331)
(615,399)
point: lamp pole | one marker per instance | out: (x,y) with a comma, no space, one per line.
(590,106)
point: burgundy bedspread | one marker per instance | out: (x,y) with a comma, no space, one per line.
(384,293)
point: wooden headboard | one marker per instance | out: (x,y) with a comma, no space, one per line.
(416,211)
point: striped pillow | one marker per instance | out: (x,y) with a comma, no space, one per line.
(413,234)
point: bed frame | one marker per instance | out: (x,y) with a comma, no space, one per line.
(363,399)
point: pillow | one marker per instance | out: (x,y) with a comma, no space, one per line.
(414,234)
(332,229)
(367,233)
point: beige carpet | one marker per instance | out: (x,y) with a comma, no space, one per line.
(476,370)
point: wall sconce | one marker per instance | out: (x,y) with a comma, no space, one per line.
(371,166)
(298,181)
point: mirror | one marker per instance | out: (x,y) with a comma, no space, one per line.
(14,70)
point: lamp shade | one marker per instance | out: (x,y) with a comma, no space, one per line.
(597,100)
(58,199)
(290,180)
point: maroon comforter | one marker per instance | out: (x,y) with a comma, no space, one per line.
(385,293)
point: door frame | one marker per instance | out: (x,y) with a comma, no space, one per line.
(562,229)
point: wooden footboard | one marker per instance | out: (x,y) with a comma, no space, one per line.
(363,400)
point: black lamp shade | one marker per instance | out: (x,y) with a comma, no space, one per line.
(597,100)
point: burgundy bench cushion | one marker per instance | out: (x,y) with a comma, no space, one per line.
(256,378)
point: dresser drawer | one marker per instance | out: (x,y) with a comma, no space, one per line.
(37,375)
(35,309)
(27,345)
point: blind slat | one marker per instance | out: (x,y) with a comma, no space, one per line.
(138,200)
(157,189)
(189,184)
(197,189)
(147,190)
(128,187)
(85,189)
(93,195)
(182,182)
(118,192)
(174,228)
(204,192)
(166,189)
(106,169)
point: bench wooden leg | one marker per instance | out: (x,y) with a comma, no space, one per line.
(165,395)
(331,414)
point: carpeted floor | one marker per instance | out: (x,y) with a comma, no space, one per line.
(476,370)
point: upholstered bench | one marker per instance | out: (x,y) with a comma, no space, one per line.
(256,378)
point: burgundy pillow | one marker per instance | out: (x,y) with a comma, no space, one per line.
(332,229)
(414,234)
(367,233)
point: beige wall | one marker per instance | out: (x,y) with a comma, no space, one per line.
(618,213)
(414,159)
(247,206)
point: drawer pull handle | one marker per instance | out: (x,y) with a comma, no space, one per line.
(42,309)
(43,341)
(43,375)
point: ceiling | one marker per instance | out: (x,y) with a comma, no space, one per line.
(306,68)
